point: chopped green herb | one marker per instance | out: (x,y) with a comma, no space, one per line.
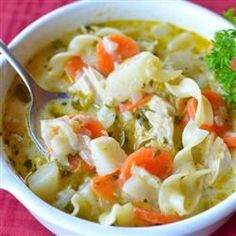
(64,103)
(122,138)
(56,110)
(107,106)
(219,59)
(81,101)
(146,108)
(142,119)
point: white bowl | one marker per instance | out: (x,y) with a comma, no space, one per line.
(68,18)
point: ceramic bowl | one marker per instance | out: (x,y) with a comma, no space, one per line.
(67,19)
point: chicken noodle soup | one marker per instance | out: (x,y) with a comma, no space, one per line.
(144,138)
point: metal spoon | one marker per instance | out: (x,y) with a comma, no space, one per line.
(39,97)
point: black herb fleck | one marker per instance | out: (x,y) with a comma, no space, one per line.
(88,28)
(157,153)
(28,164)
(165,140)
(178,118)
(151,83)
(57,44)
(180,147)
(115,176)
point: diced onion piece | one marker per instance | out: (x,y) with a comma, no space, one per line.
(107,155)
(142,186)
(45,181)
(106,116)
(130,76)
(64,197)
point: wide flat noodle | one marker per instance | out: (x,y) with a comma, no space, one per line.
(217,157)
(120,214)
(192,136)
(189,88)
(83,198)
(57,63)
(181,192)
(81,45)
(85,46)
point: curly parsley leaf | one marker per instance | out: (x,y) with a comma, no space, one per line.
(230,15)
(219,60)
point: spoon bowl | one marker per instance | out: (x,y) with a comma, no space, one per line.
(39,98)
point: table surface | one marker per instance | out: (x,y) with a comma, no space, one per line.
(15,15)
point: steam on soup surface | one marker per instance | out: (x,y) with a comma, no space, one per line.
(143,138)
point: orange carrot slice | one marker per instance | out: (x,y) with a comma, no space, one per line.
(192,107)
(217,103)
(230,141)
(151,217)
(190,113)
(95,127)
(74,66)
(160,164)
(215,99)
(133,106)
(218,130)
(126,47)
(105,187)
(74,163)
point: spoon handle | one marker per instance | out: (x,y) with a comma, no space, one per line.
(24,75)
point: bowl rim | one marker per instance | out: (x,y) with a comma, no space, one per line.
(43,209)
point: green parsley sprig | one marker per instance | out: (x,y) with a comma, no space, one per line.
(219,59)
(230,15)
